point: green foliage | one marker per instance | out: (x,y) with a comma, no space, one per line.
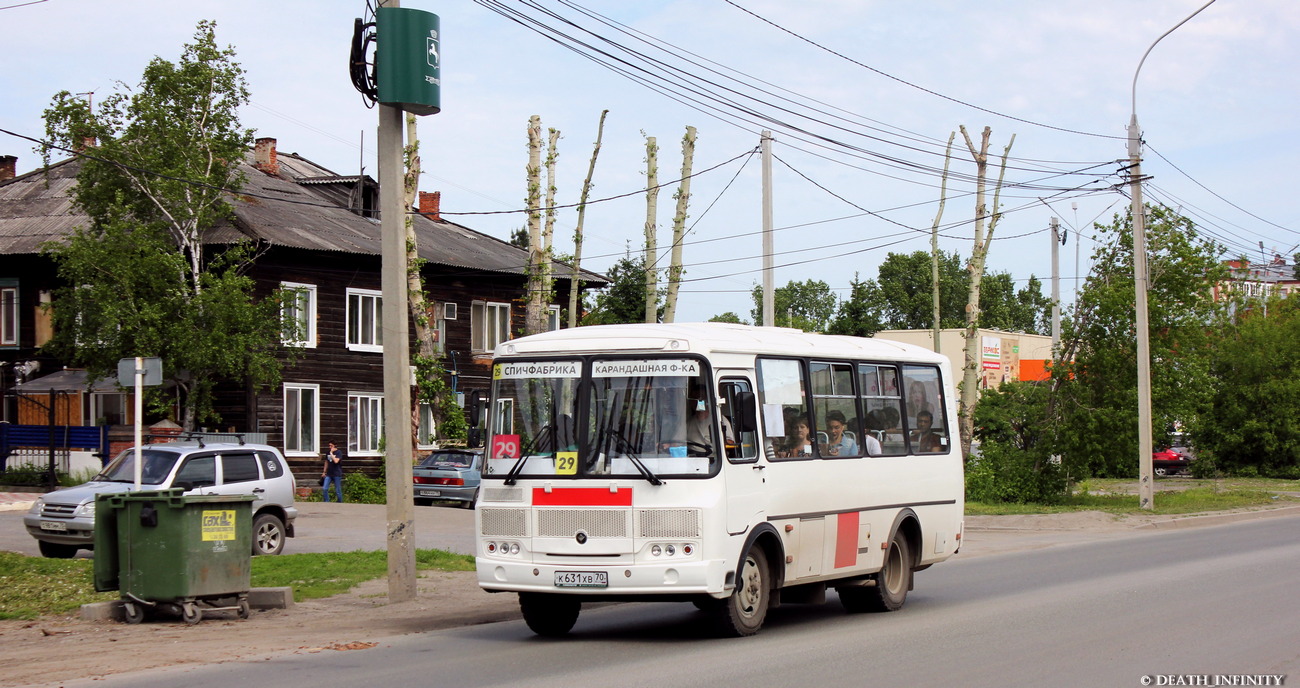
(142,282)
(360,488)
(1096,403)
(623,301)
(1254,418)
(728,317)
(28,475)
(902,298)
(1015,448)
(432,388)
(807,305)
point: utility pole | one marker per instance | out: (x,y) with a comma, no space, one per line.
(397,355)
(769,290)
(1146,471)
(1056,287)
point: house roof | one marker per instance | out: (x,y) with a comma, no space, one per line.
(67,380)
(302,206)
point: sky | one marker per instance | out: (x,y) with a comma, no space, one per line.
(861,97)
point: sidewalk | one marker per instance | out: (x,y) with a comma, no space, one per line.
(17,501)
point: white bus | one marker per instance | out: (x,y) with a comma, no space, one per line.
(734,467)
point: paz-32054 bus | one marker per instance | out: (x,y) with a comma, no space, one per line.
(734,467)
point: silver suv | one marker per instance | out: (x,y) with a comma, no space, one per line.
(64,521)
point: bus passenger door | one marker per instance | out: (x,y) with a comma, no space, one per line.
(745,465)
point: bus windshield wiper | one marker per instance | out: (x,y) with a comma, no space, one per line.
(626,447)
(525,453)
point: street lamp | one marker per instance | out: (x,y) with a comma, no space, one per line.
(1146,484)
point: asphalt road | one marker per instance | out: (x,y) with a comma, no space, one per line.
(322,528)
(1216,601)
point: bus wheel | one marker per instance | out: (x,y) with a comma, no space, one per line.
(549,615)
(892,582)
(742,614)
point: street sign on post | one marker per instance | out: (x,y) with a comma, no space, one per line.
(139,372)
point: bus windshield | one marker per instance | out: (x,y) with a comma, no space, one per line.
(642,418)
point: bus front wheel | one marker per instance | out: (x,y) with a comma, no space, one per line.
(549,615)
(743,613)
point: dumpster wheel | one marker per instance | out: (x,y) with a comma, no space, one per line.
(134,613)
(191,613)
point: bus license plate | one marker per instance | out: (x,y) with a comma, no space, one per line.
(581,579)
(59,526)
(430,493)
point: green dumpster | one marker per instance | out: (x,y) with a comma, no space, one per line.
(182,553)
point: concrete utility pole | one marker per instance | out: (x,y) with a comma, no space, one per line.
(769,290)
(1146,471)
(1056,287)
(397,355)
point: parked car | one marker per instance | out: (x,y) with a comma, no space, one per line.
(1171,461)
(448,474)
(63,521)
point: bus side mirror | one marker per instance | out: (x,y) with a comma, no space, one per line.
(746,412)
(473,415)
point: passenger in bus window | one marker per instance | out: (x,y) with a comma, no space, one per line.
(869,441)
(918,399)
(799,441)
(924,436)
(837,443)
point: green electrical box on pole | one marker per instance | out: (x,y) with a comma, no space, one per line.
(406,59)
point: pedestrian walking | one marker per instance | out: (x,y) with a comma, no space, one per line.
(333,471)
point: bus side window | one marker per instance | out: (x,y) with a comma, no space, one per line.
(736,401)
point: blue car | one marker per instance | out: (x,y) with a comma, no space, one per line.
(448,475)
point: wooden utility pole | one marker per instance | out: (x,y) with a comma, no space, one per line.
(683,196)
(651,250)
(577,232)
(396,356)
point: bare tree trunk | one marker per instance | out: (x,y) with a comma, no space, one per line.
(975,268)
(548,229)
(934,240)
(651,250)
(535,317)
(577,232)
(683,197)
(417,300)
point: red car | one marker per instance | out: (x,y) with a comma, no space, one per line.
(1170,461)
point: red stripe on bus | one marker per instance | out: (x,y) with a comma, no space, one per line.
(846,540)
(582,496)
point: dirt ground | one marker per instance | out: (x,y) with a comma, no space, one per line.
(55,649)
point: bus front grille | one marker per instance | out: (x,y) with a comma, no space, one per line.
(504,522)
(593,522)
(669,523)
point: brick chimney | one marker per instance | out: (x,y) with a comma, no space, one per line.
(8,167)
(431,205)
(264,156)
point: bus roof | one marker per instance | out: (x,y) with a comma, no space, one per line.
(711,337)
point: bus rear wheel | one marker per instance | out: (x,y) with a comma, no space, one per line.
(743,613)
(549,615)
(892,582)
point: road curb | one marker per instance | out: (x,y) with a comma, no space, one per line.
(1198,520)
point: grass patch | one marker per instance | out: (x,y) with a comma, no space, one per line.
(31,587)
(1196,496)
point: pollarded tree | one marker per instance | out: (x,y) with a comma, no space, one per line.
(143,280)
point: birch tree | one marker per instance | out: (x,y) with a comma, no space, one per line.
(577,232)
(535,315)
(975,269)
(651,249)
(683,197)
(934,242)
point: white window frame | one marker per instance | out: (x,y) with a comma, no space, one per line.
(552,318)
(9,319)
(301,307)
(365,423)
(428,429)
(293,393)
(98,400)
(490,323)
(365,330)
